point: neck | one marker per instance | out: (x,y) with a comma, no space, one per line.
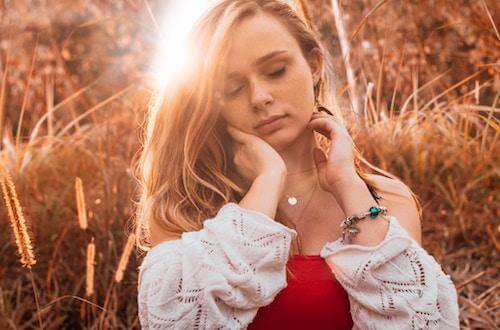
(298,157)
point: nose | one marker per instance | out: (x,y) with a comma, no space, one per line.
(260,97)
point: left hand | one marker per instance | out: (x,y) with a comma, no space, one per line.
(339,164)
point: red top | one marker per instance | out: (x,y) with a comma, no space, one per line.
(312,300)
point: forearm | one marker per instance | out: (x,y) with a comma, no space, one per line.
(382,287)
(214,263)
(354,197)
(264,194)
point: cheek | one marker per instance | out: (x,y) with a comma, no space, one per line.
(235,118)
(299,90)
(300,99)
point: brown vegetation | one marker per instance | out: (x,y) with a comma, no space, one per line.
(73,89)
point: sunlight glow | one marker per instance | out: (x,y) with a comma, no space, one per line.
(174,23)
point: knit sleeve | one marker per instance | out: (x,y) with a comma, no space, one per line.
(395,284)
(216,277)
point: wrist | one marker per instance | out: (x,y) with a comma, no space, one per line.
(344,181)
(354,198)
(264,193)
(273,179)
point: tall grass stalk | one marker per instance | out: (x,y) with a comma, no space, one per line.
(80,203)
(122,265)
(17,220)
(346,50)
(20,230)
(89,288)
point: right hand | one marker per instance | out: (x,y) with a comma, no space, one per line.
(253,156)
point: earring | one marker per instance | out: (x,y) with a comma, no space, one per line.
(321,107)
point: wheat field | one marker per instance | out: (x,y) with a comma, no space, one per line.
(423,80)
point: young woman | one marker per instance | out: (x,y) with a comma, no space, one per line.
(250,181)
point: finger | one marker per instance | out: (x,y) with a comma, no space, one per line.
(322,126)
(317,114)
(320,157)
(322,115)
(236,134)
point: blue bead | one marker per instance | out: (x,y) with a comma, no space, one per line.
(374,211)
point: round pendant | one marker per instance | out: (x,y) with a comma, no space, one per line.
(292,200)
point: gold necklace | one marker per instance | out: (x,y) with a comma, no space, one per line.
(303,171)
(308,202)
(292,199)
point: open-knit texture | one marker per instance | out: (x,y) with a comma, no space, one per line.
(218,277)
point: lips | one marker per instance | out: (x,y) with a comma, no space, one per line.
(270,125)
(268,120)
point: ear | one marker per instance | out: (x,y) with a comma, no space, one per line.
(315,60)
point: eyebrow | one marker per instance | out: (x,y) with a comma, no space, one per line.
(262,59)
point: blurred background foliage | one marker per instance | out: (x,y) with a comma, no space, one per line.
(75,81)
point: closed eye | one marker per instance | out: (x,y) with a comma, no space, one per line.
(277,73)
(234,92)
(274,74)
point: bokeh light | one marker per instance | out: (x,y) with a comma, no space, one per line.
(174,23)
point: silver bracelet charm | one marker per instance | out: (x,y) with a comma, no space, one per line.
(348,225)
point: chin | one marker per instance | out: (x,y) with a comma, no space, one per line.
(281,139)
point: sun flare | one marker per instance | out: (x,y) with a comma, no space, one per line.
(174,22)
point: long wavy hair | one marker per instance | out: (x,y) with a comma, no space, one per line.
(185,169)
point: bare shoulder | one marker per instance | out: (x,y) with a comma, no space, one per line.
(390,186)
(158,235)
(397,197)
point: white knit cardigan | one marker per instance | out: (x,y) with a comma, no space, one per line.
(219,276)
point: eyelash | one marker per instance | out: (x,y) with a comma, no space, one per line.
(278,72)
(274,74)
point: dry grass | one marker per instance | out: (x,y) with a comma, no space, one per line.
(16,219)
(80,203)
(72,100)
(89,283)
(122,266)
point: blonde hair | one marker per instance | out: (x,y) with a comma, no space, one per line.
(185,170)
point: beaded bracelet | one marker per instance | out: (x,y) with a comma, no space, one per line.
(348,225)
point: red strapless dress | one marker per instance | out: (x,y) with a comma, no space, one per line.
(313,300)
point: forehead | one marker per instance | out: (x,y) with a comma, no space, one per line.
(255,37)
